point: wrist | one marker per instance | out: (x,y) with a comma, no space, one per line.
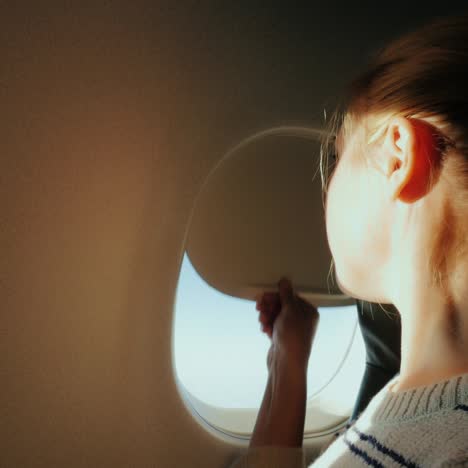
(284,363)
(288,397)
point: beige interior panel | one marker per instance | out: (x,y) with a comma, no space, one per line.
(260,216)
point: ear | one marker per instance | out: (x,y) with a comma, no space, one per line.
(411,154)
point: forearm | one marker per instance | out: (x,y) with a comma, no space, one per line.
(280,420)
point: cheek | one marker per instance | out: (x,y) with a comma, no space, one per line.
(345,225)
(330,216)
(338,211)
(356,229)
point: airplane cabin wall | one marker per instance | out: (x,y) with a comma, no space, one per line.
(112,115)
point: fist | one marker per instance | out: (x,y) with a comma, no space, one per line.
(290,322)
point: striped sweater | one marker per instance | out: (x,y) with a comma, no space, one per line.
(425,426)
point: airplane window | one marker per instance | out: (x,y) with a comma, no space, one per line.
(220,353)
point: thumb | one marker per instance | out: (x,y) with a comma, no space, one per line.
(285,290)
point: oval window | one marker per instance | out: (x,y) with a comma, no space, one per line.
(220,354)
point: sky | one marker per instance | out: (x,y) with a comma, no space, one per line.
(220,352)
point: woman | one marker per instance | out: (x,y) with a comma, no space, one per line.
(400,193)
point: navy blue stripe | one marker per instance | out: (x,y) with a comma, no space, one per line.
(462,407)
(385,450)
(364,455)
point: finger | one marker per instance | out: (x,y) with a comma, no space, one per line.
(267,318)
(285,290)
(272,306)
(267,329)
(267,301)
(260,301)
(264,319)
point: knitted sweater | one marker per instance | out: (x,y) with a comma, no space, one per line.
(424,426)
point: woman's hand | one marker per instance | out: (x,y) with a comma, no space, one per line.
(290,322)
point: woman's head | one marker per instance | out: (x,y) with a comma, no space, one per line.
(400,186)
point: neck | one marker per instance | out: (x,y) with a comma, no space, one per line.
(434,341)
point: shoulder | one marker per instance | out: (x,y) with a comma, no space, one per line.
(457,462)
(440,437)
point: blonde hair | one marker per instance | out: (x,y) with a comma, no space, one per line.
(422,75)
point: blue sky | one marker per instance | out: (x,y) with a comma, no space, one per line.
(220,352)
